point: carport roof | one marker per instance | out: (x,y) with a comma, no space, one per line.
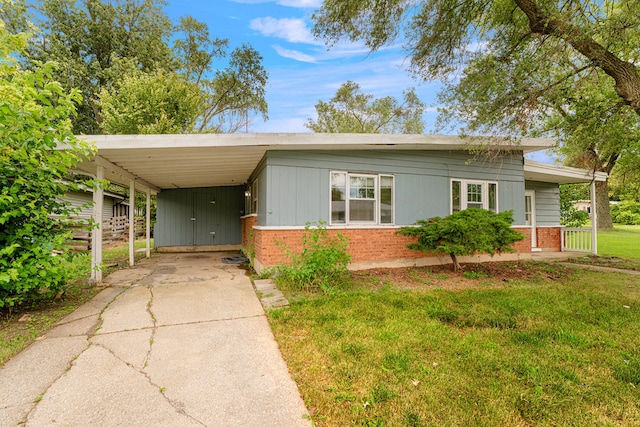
(205,160)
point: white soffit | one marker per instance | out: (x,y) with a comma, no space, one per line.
(203,160)
(543,172)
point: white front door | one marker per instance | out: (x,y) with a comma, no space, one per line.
(530,215)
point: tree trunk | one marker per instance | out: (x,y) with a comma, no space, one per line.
(603,210)
(456,265)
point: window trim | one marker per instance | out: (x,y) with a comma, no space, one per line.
(377,199)
(464,195)
(393,199)
(253,196)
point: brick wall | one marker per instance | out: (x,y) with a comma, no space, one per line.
(523,246)
(247,226)
(549,239)
(364,244)
(375,244)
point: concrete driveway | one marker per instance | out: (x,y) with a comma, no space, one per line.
(179,340)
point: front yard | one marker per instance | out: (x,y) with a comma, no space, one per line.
(538,345)
(623,241)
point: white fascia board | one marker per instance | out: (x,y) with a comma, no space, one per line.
(537,171)
(316,141)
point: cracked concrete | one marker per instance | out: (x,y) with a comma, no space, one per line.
(179,340)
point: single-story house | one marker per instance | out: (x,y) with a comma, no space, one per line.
(220,192)
(114,205)
(585,205)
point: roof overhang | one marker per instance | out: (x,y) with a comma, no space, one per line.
(536,171)
(206,160)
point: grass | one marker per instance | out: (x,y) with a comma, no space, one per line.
(40,316)
(537,352)
(618,248)
(623,241)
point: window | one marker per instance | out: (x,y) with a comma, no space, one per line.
(361,198)
(251,198)
(473,194)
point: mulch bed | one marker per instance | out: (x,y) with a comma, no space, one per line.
(471,276)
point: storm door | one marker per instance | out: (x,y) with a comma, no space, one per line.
(530,215)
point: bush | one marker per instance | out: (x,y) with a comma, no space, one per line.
(34,117)
(464,232)
(322,264)
(626,212)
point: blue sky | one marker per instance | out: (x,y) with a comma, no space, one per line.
(302,70)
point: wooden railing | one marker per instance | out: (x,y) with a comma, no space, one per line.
(577,240)
(114,230)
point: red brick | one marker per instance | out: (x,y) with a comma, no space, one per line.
(376,244)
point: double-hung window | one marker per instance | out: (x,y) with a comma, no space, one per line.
(361,198)
(467,194)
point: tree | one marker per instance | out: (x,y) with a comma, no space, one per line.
(93,38)
(351,111)
(150,103)
(625,181)
(569,194)
(87,38)
(529,67)
(465,232)
(34,117)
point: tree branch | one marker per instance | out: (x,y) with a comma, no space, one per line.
(625,74)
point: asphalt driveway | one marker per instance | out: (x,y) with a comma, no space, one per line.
(179,340)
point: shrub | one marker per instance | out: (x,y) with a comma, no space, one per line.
(34,117)
(626,212)
(464,232)
(322,264)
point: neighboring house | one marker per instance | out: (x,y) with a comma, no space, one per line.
(114,205)
(585,205)
(217,192)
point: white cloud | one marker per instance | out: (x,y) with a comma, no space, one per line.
(301,3)
(291,29)
(294,54)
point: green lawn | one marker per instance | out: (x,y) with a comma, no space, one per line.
(561,350)
(623,242)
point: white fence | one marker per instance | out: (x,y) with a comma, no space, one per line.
(577,239)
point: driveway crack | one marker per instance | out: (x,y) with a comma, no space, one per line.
(154,328)
(38,398)
(176,405)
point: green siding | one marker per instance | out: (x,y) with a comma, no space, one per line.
(547,202)
(174,226)
(298,182)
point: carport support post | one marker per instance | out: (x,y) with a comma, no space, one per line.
(594,219)
(132,222)
(96,233)
(148,224)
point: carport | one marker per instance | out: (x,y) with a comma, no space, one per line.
(152,163)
